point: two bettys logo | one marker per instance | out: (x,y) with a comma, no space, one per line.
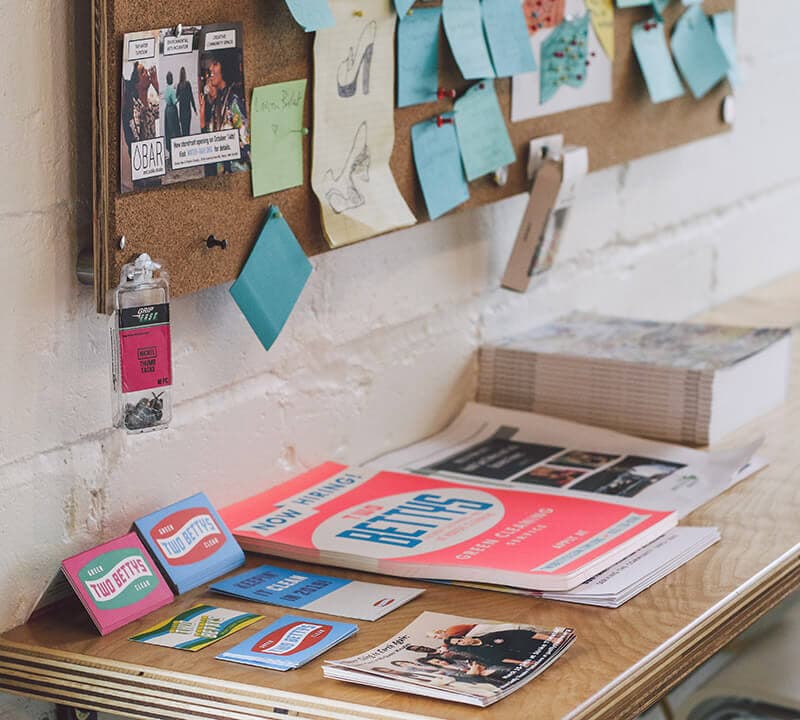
(118,578)
(293,638)
(188,536)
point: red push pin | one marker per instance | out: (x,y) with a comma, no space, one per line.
(440,120)
(444,92)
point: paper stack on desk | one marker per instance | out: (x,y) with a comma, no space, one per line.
(476,662)
(680,382)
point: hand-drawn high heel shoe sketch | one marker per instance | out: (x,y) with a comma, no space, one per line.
(357,62)
(341,192)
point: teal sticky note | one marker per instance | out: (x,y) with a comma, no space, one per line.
(660,75)
(723,29)
(507,34)
(439,169)
(697,52)
(463,25)
(311,15)
(564,56)
(402,7)
(481,130)
(272,279)
(418,57)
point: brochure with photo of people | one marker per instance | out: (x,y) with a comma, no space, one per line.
(477,662)
(183,109)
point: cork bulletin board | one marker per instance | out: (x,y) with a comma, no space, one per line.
(172,223)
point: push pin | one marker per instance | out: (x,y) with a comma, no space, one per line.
(178,30)
(212,242)
(358,13)
(445,92)
(441,120)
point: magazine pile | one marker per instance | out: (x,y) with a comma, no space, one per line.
(680,382)
(500,497)
(477,662)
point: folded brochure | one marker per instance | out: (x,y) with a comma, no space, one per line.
(448,657)
(289,643)
(316,593)
(117,582)
(189,542)
(196,628)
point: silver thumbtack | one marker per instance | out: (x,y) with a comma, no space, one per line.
(178,30)
(123,241)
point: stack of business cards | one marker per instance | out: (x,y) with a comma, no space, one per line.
(196,628)
(289,643)
(117,582)
(316,593)
(190,542)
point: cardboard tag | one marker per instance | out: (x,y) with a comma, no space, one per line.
(530,237)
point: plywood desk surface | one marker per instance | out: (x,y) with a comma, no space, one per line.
(622,662)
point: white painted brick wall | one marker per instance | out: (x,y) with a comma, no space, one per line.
(381,349)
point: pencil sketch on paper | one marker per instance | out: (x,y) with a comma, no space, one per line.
(357,64)
(341,192)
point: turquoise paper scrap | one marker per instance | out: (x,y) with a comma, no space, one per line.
(692,2)
(660,75)
(272,279)
(507,34)
(723,29)
(658,5)
(481,129)
(402,7)
(463,26)
(439,168)
(697,52)
(564,56)
(312,15)
(418,57)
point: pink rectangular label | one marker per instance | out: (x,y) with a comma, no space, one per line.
(145,358)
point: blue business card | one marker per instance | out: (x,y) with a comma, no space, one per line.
(190,542)
(316,593)
(289,643)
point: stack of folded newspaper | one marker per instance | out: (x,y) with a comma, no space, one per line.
(681,382)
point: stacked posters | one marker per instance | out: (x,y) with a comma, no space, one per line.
(417,526)
(637,572)
(681,382)
(467,660)
(493,446)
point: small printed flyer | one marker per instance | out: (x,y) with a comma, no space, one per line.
(183,110)
(196,628)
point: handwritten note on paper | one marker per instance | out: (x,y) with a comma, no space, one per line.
(602,12)
(481,129)
(272,279)
(276,136)
(438,162)
(697,52)
(311,15)
(418,57)
(463,26)
(660,75)
(723,29)
(402,7)
(354,124)
(507,34)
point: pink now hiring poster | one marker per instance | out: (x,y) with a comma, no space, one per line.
(117,582)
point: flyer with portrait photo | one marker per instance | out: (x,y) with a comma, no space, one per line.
(461,659)
(183,110)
